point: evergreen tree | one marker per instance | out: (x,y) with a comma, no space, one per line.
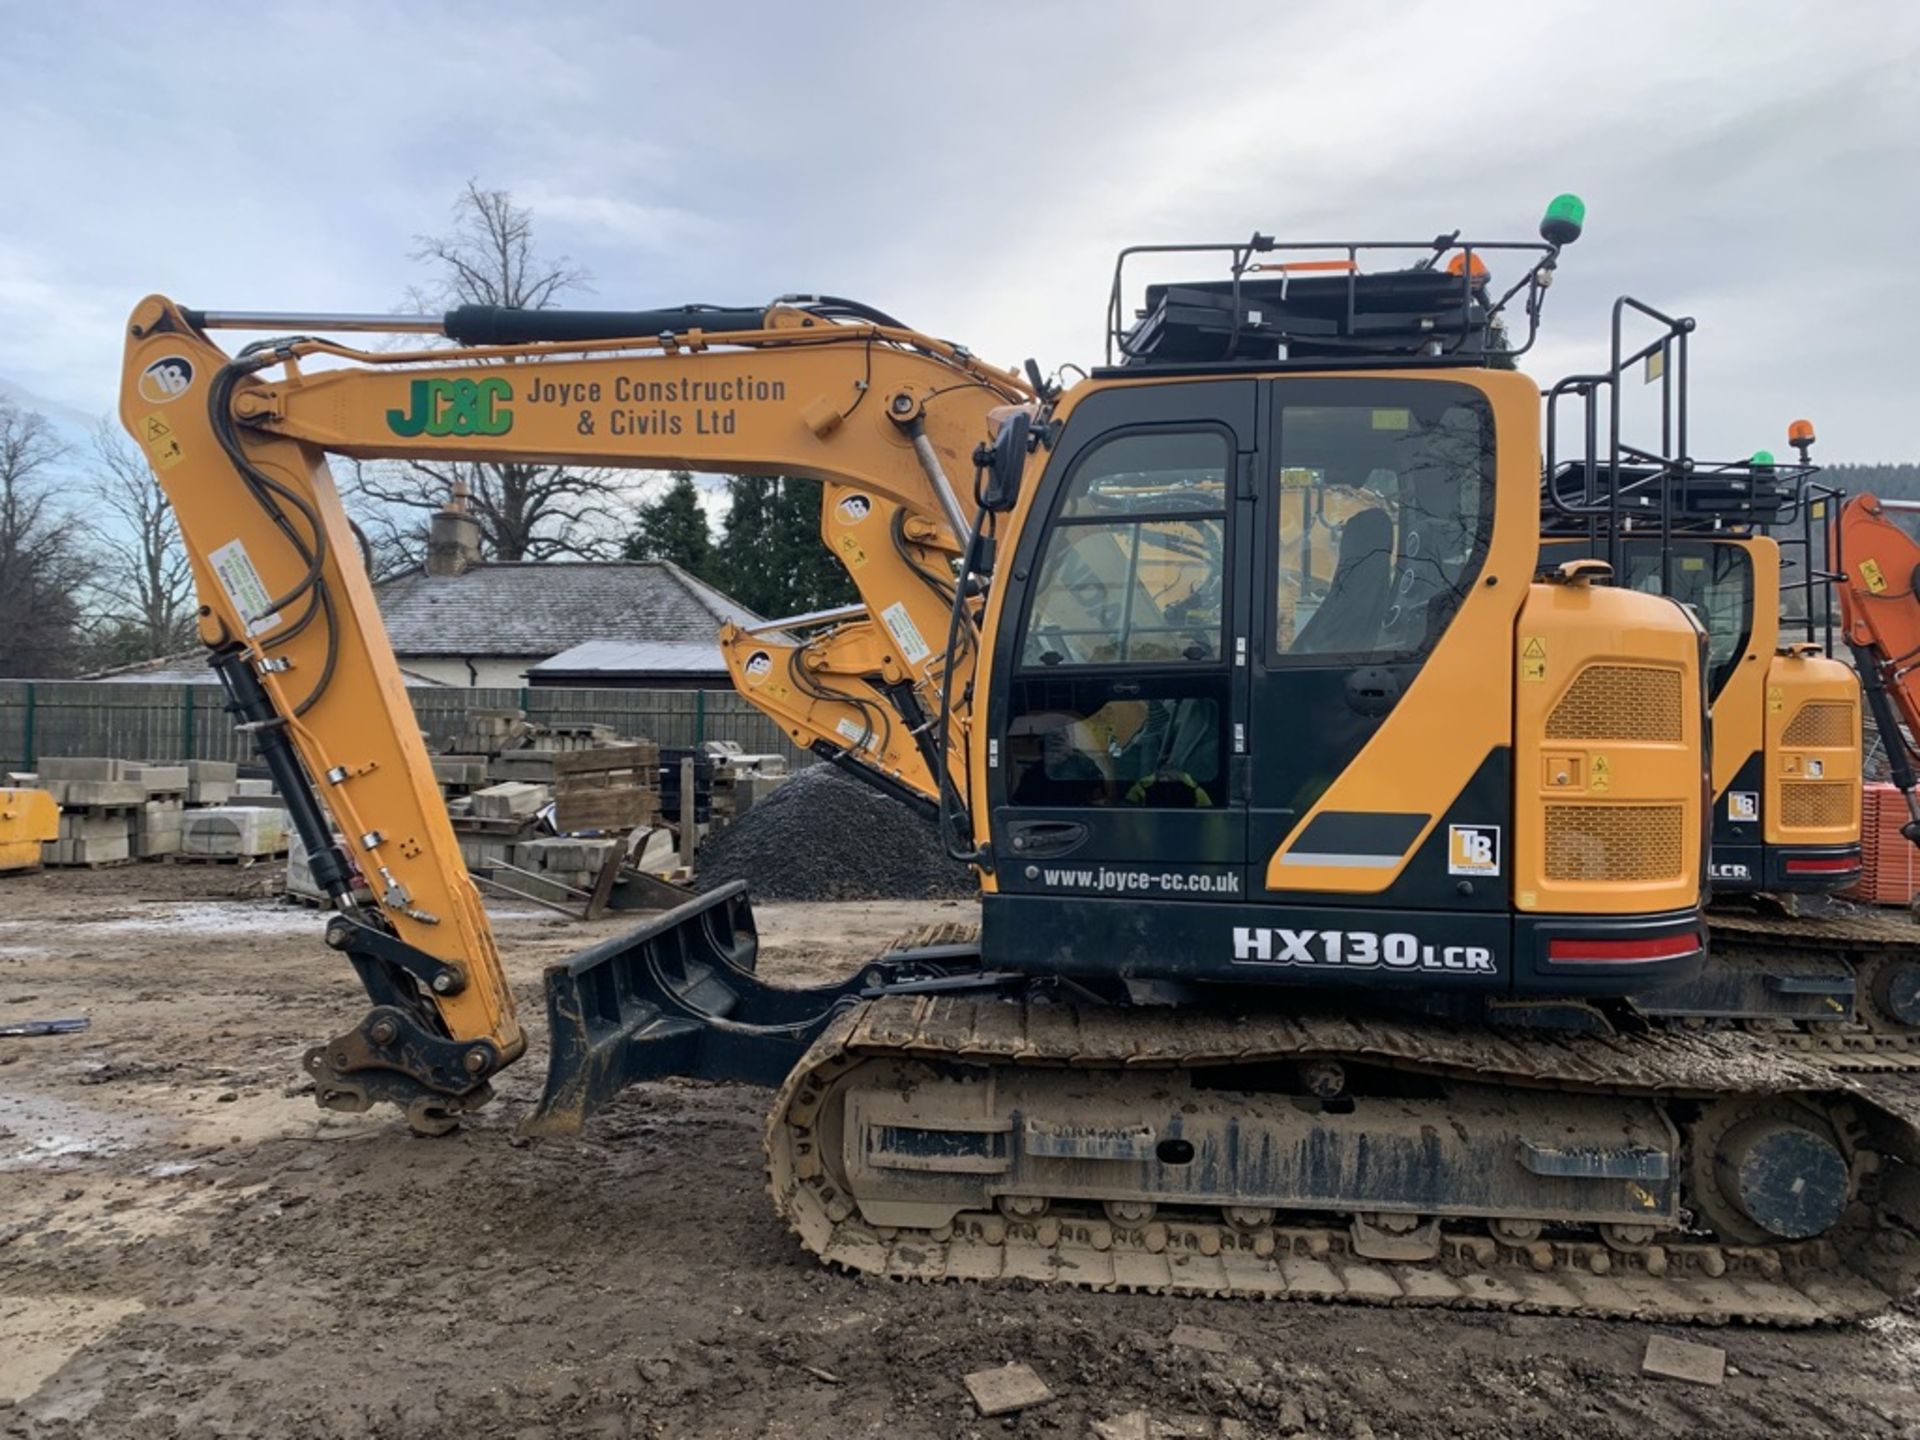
(770,557)
(673,527)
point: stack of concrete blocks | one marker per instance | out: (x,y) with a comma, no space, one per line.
(300,882)
(488,732)
(495,819)
(211,782)
(460,774)
(741,779)
(582,736)
(532,765)
(233,832)
(98,806)
(566,865)
(156,825)
(257,794)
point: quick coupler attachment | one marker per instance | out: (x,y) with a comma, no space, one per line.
(678,996)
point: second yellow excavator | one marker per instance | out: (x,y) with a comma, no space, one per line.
(1319,863)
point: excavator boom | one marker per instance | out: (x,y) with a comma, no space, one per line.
(882,414)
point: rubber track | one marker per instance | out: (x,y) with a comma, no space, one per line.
(1788,1284)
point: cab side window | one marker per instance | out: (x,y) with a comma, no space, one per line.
(1134,570)
(1121,698)
(1383,513)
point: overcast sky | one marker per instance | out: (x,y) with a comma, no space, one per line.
(972,168)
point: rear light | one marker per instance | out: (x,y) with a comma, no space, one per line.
(1824,865)
(1635,951)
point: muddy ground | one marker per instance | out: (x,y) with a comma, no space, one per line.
(189,1248)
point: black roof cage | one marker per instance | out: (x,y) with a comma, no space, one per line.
(1308,304)
(1613,489)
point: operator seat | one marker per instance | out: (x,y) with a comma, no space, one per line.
(1348,620)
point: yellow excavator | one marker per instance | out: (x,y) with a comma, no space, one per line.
(1320,862)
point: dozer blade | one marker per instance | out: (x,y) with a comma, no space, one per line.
(678,996)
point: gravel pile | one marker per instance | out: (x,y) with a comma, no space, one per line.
(826,836)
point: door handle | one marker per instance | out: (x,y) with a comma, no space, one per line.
(1046,838)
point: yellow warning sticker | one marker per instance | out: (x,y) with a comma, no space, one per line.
(850,548)
(1776,699)
(1296,477)
(1393,419)
(1600,775)
(1871,573)
(163,446)
(1533,658)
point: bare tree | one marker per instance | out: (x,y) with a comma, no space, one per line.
(42,567)
(526,512)
(142,588)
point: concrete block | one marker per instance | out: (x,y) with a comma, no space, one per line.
(101,794)
(238,831)
(95,825)
(105,850)
(209,792)
(244,789)
(152,844)
(561,855)
(157,779)
(526,765)
(479,853)
(509,800)
(80,767)
(222,771)
(467,771)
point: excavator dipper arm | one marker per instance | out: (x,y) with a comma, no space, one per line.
(238,444)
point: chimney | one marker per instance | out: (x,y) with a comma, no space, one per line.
(453,536)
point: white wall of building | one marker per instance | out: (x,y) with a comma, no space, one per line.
(487,671)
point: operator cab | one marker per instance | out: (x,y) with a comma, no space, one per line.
(1257,629)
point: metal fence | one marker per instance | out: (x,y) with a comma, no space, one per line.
(190,722)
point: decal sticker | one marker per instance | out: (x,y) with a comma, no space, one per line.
(1871,573)
(1816,769)
(854,508)
(1743,804)
(1533,659)
(1776,700)
(455,407)
(163,446)
(1600,775)
(1730,871)
(906,634)
(166,379)
(233,567)
(1473,850)
(1354,950)
(850,551)
(758,667)
(854,734)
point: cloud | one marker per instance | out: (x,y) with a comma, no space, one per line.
(1750,165)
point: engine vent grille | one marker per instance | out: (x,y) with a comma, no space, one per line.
(1619,702)
(1815,804)
(1615,842)
(1823,723)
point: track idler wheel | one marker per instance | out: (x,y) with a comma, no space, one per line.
(1768,1173)
(1893,991)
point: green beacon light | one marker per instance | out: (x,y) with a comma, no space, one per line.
(1562,222)
(1761,457)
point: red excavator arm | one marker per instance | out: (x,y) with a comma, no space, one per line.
(1879,567)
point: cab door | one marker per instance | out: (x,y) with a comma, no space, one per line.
(1113,770)
(1373,787)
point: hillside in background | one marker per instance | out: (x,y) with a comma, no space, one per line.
(1889,482)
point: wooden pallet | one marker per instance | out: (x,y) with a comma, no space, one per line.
(238,862)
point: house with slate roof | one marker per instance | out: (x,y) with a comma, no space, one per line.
(463,621)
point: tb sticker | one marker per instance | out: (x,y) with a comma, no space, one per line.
(1473,850)
(1743,804)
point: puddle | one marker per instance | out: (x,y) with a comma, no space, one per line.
(39,1130)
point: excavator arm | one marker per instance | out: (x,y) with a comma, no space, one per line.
(1878,565)
(883,415)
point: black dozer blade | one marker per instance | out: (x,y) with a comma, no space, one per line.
(678,996)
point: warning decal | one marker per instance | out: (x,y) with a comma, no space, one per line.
(905,633)
(233,567)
